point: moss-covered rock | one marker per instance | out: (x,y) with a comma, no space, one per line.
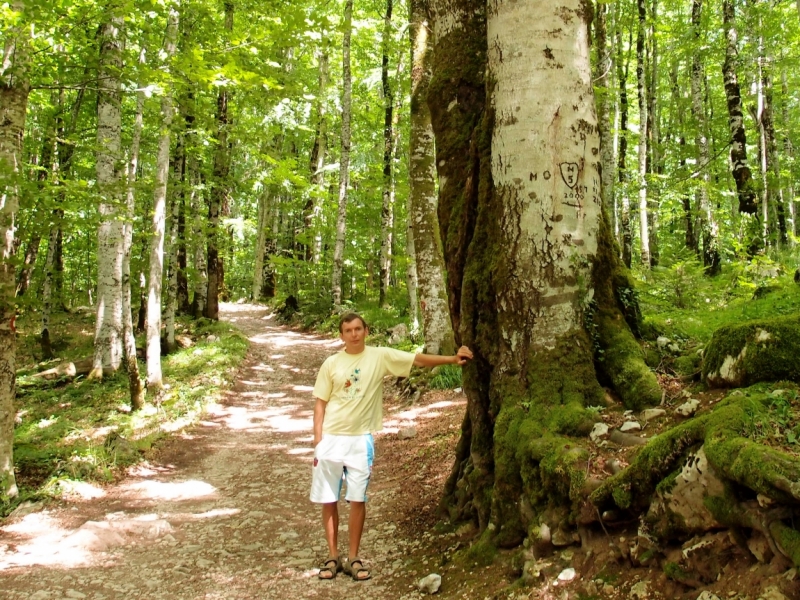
(763,350)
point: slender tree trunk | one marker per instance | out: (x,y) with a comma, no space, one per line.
(686,200)
(625,221)
(313,248)
(761,117)
(708,229)
(199,245)
(387,211)
(773,158)
(641,80)
(219,191)
(742,175)
(654,138)
(111,238)
(604,99)
(129,340)
(154,375)
(344,157)
(412,282)
(173,269)
(261,242)
(789,152)
(423,220)
(14,89)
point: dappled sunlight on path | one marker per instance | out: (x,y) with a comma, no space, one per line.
(223,511)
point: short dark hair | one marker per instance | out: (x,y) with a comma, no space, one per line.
(351,316)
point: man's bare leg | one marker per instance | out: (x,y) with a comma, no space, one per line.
(330,521)
(358,513)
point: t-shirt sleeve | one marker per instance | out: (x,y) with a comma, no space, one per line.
(324,384)
(397,362)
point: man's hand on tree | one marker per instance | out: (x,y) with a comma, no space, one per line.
(463,355)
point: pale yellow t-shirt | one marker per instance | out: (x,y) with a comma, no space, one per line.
(352,385)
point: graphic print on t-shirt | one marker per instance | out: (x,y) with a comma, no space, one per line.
(353,385)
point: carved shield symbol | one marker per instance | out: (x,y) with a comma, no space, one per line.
(569,173)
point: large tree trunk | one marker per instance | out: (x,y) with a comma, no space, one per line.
(742,176)
(110,238)
(154,375)
(641,83)
(199,245)
(14,89)
(522,210)
(220,190)
(708,229)
(387,210)
(423,220)
(344,157)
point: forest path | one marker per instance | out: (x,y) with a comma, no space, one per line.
(223,511)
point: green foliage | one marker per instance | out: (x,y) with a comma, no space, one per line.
(678,279)
(446,377)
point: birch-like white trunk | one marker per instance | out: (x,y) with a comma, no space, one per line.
(111,236)
(545,168)
(344,158)
(129,340)
(154,374)
(622,171)
(433,302)
(14,89)
(641,83)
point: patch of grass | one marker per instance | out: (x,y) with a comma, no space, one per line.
(446,377)
(84,430)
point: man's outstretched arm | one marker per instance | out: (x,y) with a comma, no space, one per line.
(432,360)
(319,417)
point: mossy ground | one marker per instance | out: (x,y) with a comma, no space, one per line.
(83,430)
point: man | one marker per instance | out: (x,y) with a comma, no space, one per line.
(348,410)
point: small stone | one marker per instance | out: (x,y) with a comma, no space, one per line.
(764,501)
(688,408)
(74,594)
(630,426)
(458,390)
(706,595)
(407,433)
(773,593)
(600,430)
(662,342)
(759,547)
(639,591)
(608,590)
(567,575)
(613,465)
(653,413)
(211,338)
(430,584)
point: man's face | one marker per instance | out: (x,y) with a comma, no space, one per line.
(353,335)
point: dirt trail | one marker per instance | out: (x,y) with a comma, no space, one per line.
(223,512)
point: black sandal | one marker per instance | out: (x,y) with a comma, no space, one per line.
(332,566)
(357,573)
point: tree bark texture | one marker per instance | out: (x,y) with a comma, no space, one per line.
(708,229)
(387,209)
(622,171)
(344,157)
(521,203)
(742,176)
(641,85)
(313,249)
(423,220)
(14,90)
(110,238)
(602,77)
(154,375)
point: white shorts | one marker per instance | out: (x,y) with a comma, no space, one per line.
(340,458)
